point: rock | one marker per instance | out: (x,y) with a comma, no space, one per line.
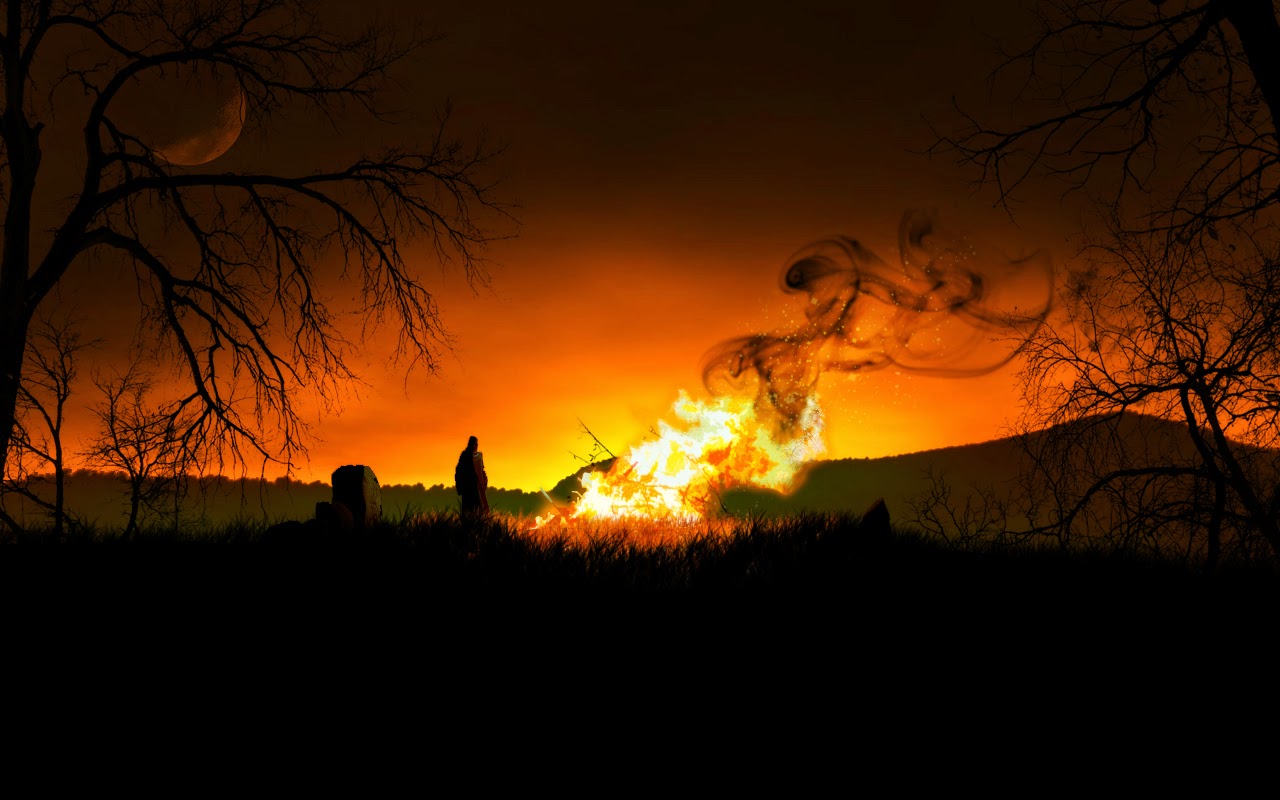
(356,487)
(289,532)
(875,520)
(335,518)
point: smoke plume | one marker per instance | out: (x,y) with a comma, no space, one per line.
(945,309)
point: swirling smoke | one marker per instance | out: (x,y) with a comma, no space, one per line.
(945,310)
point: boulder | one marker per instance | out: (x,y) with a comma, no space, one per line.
(289,532)
(335,518)
(356,487)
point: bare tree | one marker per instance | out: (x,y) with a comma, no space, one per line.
(1151,408)
(1186,332)
(973,515)
(228,264)
(37,445)
(1150,402)
(149,444)
(1176,102)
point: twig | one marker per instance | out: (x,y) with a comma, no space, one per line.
(599,443)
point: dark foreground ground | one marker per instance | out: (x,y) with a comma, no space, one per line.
(817,633)
(817,582)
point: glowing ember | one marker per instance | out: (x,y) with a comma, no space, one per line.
(720,444)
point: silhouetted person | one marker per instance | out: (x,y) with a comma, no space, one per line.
(470,480)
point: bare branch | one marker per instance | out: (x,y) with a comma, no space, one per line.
(237,283)
(1106,90)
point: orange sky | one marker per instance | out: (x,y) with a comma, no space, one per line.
(667,162)
(608,332)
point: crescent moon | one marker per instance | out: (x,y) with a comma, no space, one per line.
(205,146)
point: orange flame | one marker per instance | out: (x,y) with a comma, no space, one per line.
(722,443)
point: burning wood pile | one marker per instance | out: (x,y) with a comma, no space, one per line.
(718,444)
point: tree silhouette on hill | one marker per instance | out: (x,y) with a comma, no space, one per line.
(1171,111)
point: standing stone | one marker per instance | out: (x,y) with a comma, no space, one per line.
(356,487)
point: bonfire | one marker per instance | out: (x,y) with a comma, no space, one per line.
(716,445)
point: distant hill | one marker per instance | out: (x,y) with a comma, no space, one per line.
(853,484)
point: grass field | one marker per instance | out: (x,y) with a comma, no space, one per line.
(804,555)
(781,617)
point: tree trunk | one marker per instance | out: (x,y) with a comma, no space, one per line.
(13,345)
(22,151)
(1234,474)
(59,473)
(1255,23)
(1214,544)
(135,499)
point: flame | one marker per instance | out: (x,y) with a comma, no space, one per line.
(680,475)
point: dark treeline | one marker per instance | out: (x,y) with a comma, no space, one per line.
(100,501)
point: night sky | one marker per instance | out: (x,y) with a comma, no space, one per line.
(666,160)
